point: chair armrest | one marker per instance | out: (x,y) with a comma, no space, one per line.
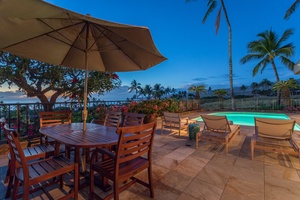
(102,151)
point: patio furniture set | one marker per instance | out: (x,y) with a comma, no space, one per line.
(122,148)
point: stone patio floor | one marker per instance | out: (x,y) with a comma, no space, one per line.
(181,172)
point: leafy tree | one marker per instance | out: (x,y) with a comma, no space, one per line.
(134,86)
(48,82)
(211,5)
(197,89)
(220,94)
(267,48)
(285,88)
(291,9)
(158,91)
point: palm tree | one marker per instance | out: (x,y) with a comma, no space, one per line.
(284,87)
(265,87)
(158,91)
(254,86)
(134,86)
(212,4)
(220,93)
(197,89)
(269,47)
(167,91)
(243,88)
(291,9)
(147,91)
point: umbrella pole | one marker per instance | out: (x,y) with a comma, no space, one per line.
(85,112)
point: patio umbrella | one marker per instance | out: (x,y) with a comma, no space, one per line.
(38,30)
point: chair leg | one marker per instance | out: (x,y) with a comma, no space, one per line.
(252,150)
(116,190)
(197,140)
(226,146)
(8,172)
(16,188)
(25,191)
(61,181)
(91,184)
(150,181)
(76,181)
(9,187)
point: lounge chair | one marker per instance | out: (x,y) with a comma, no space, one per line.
(274,135)
(174,120)
(217,128)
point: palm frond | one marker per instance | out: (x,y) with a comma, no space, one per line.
(212,4)
(218,19)
(287,62)
(286,35)
(250,57)
(287,50)
(260,65)
(291,9)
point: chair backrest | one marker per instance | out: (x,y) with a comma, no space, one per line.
(55,117)
(17,151)
(172,117)
(112,118)
(216,123)
(133,119)
(3,125)
(134,141)
(274,128)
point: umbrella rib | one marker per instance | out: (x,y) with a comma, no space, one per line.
(117,45)
(105,27)
(56,30)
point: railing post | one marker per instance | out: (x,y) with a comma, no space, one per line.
(18,120)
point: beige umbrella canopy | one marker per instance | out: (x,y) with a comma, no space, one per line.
(297,68)
(41,31)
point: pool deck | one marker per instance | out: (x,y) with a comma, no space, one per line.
(183,173)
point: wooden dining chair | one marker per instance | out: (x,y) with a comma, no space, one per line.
(42,172)
(52,118)
(133,119)
(112,119)
(31,153)
(133,155)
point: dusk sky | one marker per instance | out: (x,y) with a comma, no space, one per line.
(195,54)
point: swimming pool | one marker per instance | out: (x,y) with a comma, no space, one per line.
(247,118)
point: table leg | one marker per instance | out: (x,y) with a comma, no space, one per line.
(57,150)
(83,161)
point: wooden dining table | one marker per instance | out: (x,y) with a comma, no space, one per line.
(95,136)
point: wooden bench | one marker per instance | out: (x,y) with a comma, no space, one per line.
(174,120)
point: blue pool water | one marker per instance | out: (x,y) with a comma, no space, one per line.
(247,118)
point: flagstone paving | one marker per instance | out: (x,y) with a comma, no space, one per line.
(181,172)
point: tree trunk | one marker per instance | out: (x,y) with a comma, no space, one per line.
(233,107)
(277,80)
